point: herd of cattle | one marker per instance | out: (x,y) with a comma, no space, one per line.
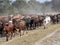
(11,24)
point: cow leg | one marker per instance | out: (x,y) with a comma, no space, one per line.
(11,35)
(34,25)
(40,23)
(37,24)
(1,33)
(44,26)
(30,26)
(7,35)
(20,32)
(57,20)
(26,30)
(23,32)
(27,26)
(14,32)
(53,21)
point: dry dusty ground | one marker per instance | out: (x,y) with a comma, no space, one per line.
(32,36)
(52,39)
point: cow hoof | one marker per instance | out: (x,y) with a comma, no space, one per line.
(26,32)
(20,36)
(6,39)
(34,28)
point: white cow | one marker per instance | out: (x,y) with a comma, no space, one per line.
(46,21)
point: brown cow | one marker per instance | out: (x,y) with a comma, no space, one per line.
(19,24)
(7,26)
(41,18)
(8,29)
(35,20)
(22,26)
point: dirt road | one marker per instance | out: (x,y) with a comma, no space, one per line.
(52,39)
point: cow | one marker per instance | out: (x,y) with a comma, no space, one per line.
(54,19)
(8,29)
(31,22)
(41,18)
(46,21)
(19,25)
(28,22)
(6,26)
(1,27)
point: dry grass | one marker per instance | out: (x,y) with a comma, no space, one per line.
(50,41)
(53,39)
(34,35)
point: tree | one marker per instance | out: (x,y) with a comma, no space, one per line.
(19,4)
(4,6)
(56,5)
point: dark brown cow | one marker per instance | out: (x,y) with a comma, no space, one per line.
(1,27)
(41,18)
(35,20)
(54,19)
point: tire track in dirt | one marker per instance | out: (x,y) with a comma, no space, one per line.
(38,42)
